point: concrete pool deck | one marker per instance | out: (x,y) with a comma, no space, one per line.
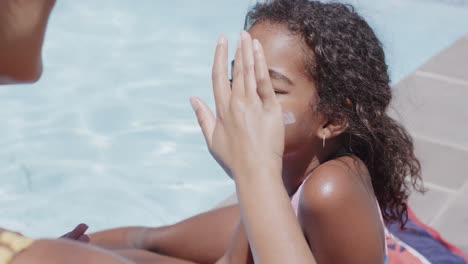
(432,104)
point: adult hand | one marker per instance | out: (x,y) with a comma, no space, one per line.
(78,234)
(248,131)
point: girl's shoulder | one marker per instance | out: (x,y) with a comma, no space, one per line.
(341,180)
(338,212)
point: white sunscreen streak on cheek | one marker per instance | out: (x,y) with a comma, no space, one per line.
(289,118)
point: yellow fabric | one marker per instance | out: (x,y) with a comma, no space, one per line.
(16,242)
(6,255)
(12,244)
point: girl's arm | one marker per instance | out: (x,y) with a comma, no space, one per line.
(271,224)
(123,237)
(203,238)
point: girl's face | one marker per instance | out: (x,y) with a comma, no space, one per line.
(295,90)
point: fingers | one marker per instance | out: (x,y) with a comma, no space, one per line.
(262,75)
(84,239)
(250,84)
(221,84)
(251,77)
(77,232)
(238,90)
(205,118)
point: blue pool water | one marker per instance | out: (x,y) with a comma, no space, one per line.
(107,137)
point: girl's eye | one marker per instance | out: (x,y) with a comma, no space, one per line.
(276,91)
(280,92)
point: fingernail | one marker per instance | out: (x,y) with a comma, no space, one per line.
(256,45)
(221,39)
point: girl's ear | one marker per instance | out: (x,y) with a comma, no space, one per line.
(332,129)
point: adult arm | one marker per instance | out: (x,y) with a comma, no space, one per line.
(61,251)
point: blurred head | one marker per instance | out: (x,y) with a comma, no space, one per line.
(22,28)
(329,70)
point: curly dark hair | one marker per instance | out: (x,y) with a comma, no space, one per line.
(347,64)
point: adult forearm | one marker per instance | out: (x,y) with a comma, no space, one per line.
(145,257)
(273,230)
(59,251)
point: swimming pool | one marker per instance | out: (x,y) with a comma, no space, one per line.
(108,138)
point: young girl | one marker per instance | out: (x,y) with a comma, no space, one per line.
(303,120)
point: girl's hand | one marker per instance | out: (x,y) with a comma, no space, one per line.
(248,131)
